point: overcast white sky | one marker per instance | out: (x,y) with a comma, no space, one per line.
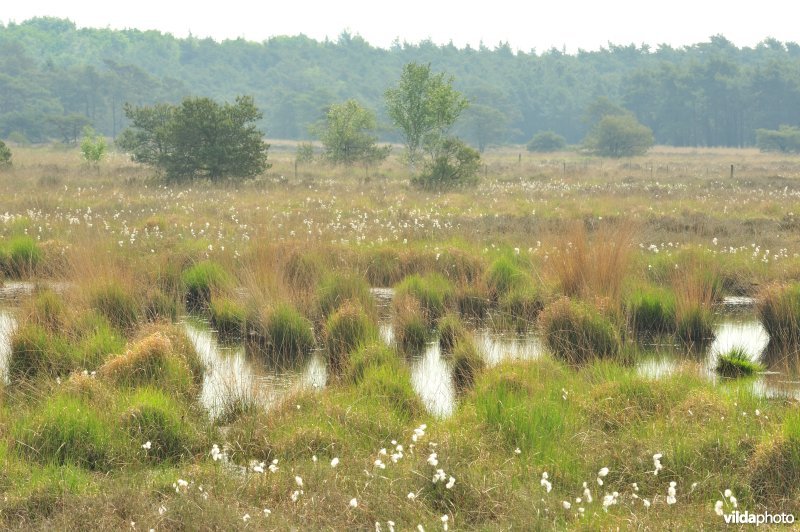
(540,25)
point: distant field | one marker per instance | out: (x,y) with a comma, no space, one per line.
(330,348)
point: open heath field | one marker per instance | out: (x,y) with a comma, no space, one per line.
(572,343)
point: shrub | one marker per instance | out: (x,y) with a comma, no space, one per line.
(158,418)
(651,311)
(547,141)
(779,312)
(227,317)
(335,290)
(118,306)
(467,363)
(411,329)
(201,280)
(737,363)
(433,292)
(67,430)
(785,139)
(451,331)
(348,329)
(619,136)
(19,256)
(5,155)
(454,164)
(577,333)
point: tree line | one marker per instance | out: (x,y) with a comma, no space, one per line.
(55,79)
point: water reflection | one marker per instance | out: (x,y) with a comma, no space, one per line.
(431,377)
(7,325)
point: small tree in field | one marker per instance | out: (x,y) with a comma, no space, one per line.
(619,136)
(93,146)
(348,135)
(5,155)
(547,141)
(454,164)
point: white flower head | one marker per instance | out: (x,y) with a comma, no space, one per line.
(335,462)
(353,503)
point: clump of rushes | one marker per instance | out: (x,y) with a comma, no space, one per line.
(370,356)
(66,429)
(472,301)
(577,333)
(155,417)
(779,312)
(159,306)
(433,292)
(48,310)
(695,325)
(651,310)
(151,361)
(285,333)
(337,289)
(38,351)
(773,471)
(303,270)
(116,304)
(521,305)
(411,330)
(201,280)
(467,363)
(695,291)
(346,330)
(502,276)
(19,256)
(392,384)
(736,363)
(451,331)
(383,267)
(227,317)
(96,339)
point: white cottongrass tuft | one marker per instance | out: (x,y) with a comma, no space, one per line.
(450,483)
(335,462)
(433,459)
(657,463)
(147,445)
(299,481)
(718,508)
(671,499)
(353,503)
(546,483)
(566,504)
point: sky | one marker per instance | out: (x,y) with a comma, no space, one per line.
(524,25)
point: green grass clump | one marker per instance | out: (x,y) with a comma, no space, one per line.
(227,317)
(336,289)
(67,430)
(503,275)
(390,384)
(303,270)
(521,306)
(736,363)
(97,339)
(159,306)
(577,333)
(451,331)
(779,312)
(467,364)
(48,310)
(411,329)
(774,474)
(152,415)
(201,280)
(472,301)
(19,256)
(118,306)
(695,325)
(346,330)
(383,267)
(152,361)
(434,293)
(285,333)
(651,311)
(369,356)
(36,351)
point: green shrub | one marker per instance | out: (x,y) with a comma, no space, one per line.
(451,331)
(736,363)
(337,289)
(5,155)
(453,165)
(547,141)
(577,333)
(411,329)
(467,363)
(67,430)
(779,312)
(651,311)
(118,306)
(433,291)
(348,329)
(227,317)
(201,280)
(158,418)
(369,356)
(19,256)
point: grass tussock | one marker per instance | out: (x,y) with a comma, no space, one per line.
(228,317)
(201,280)
(433,291)
(338,289)
(696,290)
(578,333)
(20,256)
(451,331)
(117,305)
(281,332)
(737,363)
(651,310)
(411,328)
(467,364)
(346,330)
(779,312)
